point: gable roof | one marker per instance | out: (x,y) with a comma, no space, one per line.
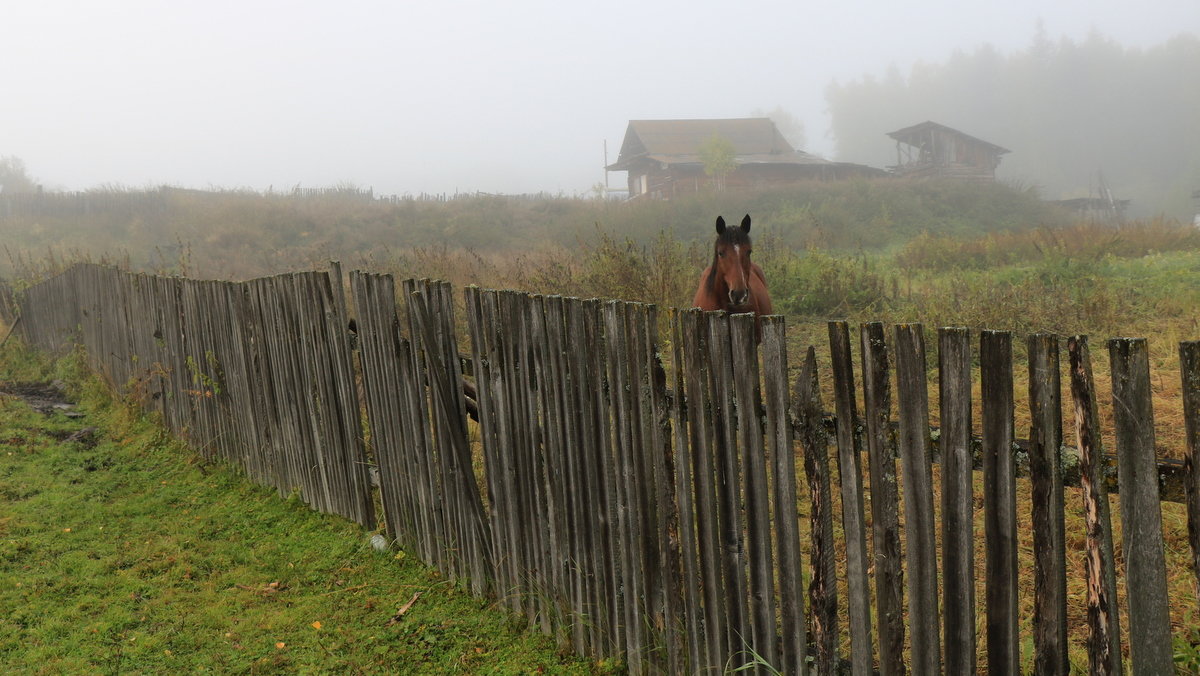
(913,136)
(754,139)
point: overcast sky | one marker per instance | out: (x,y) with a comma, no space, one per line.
(445,96)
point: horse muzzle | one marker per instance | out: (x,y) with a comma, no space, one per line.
(738,298)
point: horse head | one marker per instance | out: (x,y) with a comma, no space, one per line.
(731,268)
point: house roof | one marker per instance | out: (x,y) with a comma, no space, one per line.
(755,140)
(915,134)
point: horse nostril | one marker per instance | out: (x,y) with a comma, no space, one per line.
(738,297)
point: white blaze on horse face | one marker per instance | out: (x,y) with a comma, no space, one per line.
(741,296)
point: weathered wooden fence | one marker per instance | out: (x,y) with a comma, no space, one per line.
(640,499)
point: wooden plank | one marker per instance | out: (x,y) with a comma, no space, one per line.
(1104,637)
(728,482)
(885,507)
(1141,516)
(912,392)
(757,497)
(629,523)
(1189,371)
(601,478)
(999,503)
(702,435)
(484,327)
(794,646)
(807,410)
(1049,537)
(858,602)
(691,609)
(958,501)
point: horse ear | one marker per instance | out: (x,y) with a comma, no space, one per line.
(720,225)
(746,224)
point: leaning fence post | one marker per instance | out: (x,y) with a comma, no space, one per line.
(1141,515)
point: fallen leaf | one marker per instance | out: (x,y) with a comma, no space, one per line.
(280,646)
(316,625)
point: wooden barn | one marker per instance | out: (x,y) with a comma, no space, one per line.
(931,150)
(664,158)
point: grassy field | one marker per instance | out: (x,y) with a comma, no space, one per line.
(121,553)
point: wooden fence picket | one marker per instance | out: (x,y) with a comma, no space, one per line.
(1141,517)
(1104,628)
(958,501)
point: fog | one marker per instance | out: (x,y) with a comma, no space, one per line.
(444,97)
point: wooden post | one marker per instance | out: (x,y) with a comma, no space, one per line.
(958,502)
(999,503)
(685,471)
(885,507)
(1141,515)
(1049,538)
(913,396)
(703,438)
(1189,367)
(1104,639)
(858,603)
(794,646)
(822,591)
(757,497)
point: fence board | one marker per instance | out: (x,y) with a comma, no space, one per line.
(1049,537)
(1104,628)
(858,602)
(1141,517)
(1189,368)
(728,483)
(744,334)
(999,503)
(702,433)
(794,646)
(822,591)
(958,501)
(885,506)
(913,398)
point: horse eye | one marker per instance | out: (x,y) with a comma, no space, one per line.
(720,254)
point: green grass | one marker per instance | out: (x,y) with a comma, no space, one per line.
(132,557)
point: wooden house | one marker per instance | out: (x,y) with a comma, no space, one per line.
(664,158)
(931,150)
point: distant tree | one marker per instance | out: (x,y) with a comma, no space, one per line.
(719,157)
(13,177)
(1067,109)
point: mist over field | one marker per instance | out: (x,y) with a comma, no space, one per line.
(465,97)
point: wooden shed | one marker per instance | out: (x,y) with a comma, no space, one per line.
(663,158)
(931,150)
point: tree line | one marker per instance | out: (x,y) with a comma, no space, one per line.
(1073,114)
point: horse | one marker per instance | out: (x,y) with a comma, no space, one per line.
(732,282)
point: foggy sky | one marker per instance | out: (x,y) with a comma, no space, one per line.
(446,96)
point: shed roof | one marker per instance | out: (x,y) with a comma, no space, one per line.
(913,136)
(756,140)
